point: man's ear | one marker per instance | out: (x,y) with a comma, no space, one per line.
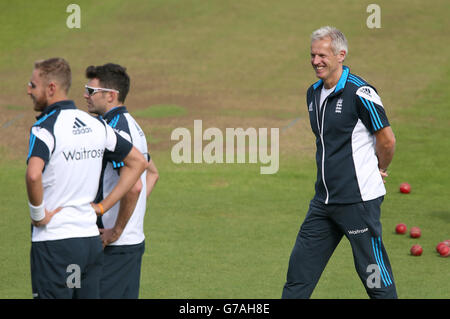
(51,89)
(112,96)
(342,54)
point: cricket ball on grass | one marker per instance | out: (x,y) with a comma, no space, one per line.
(444,251)
(401,229)
(415,232)
(416,250)
(438,247)
(405,188)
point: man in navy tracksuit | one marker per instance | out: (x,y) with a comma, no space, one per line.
(355,145)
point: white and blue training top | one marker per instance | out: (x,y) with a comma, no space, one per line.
(72,144)
(124,124)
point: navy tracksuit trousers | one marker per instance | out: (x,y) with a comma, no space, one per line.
(319,235)
(66,268)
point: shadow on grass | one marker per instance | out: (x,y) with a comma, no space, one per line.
(444,215)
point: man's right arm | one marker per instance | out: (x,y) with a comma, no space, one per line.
(373,115)
(134,166)
(384,148)
(38,156)
(152,177)
(127,205)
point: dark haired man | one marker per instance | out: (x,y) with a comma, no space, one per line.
(122,227)
(64,164)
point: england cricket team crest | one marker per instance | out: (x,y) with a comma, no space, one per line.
(339,105)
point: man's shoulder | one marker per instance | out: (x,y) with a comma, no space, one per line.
(355,83)
(119,123)
(78,118)
(137,133)
(315,85)
(311,89)
(131,119)
(48,120)
(125,120)
(123,123)
(362,89)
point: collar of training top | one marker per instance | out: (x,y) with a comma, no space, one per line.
(341,83)
(114,111)
(63,105)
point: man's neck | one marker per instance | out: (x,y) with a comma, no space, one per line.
(57,98)
(111,107)
(333,80)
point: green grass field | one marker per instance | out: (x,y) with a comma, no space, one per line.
(225,230)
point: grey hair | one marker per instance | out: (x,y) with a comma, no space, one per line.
(338,40)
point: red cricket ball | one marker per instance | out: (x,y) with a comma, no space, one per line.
(438,247)
(405,188)
(401,229)
(444,251)
(415,232)
(416,250)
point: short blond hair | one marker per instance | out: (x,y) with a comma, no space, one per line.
(338,40)
(55,69)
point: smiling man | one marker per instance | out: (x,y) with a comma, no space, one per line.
(355,145)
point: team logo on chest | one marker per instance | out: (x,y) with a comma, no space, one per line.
(339,105)
(310,107)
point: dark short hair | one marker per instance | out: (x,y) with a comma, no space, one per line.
(111,76)
(55,69)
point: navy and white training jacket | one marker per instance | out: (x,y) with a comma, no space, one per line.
(126,126)
(344,125)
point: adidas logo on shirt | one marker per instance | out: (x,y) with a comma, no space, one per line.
(80,128)
(366,90)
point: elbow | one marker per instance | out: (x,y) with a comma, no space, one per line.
(137,188)
(152,171)
(387,144)
(143,165)
(33,177)
(390,144)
